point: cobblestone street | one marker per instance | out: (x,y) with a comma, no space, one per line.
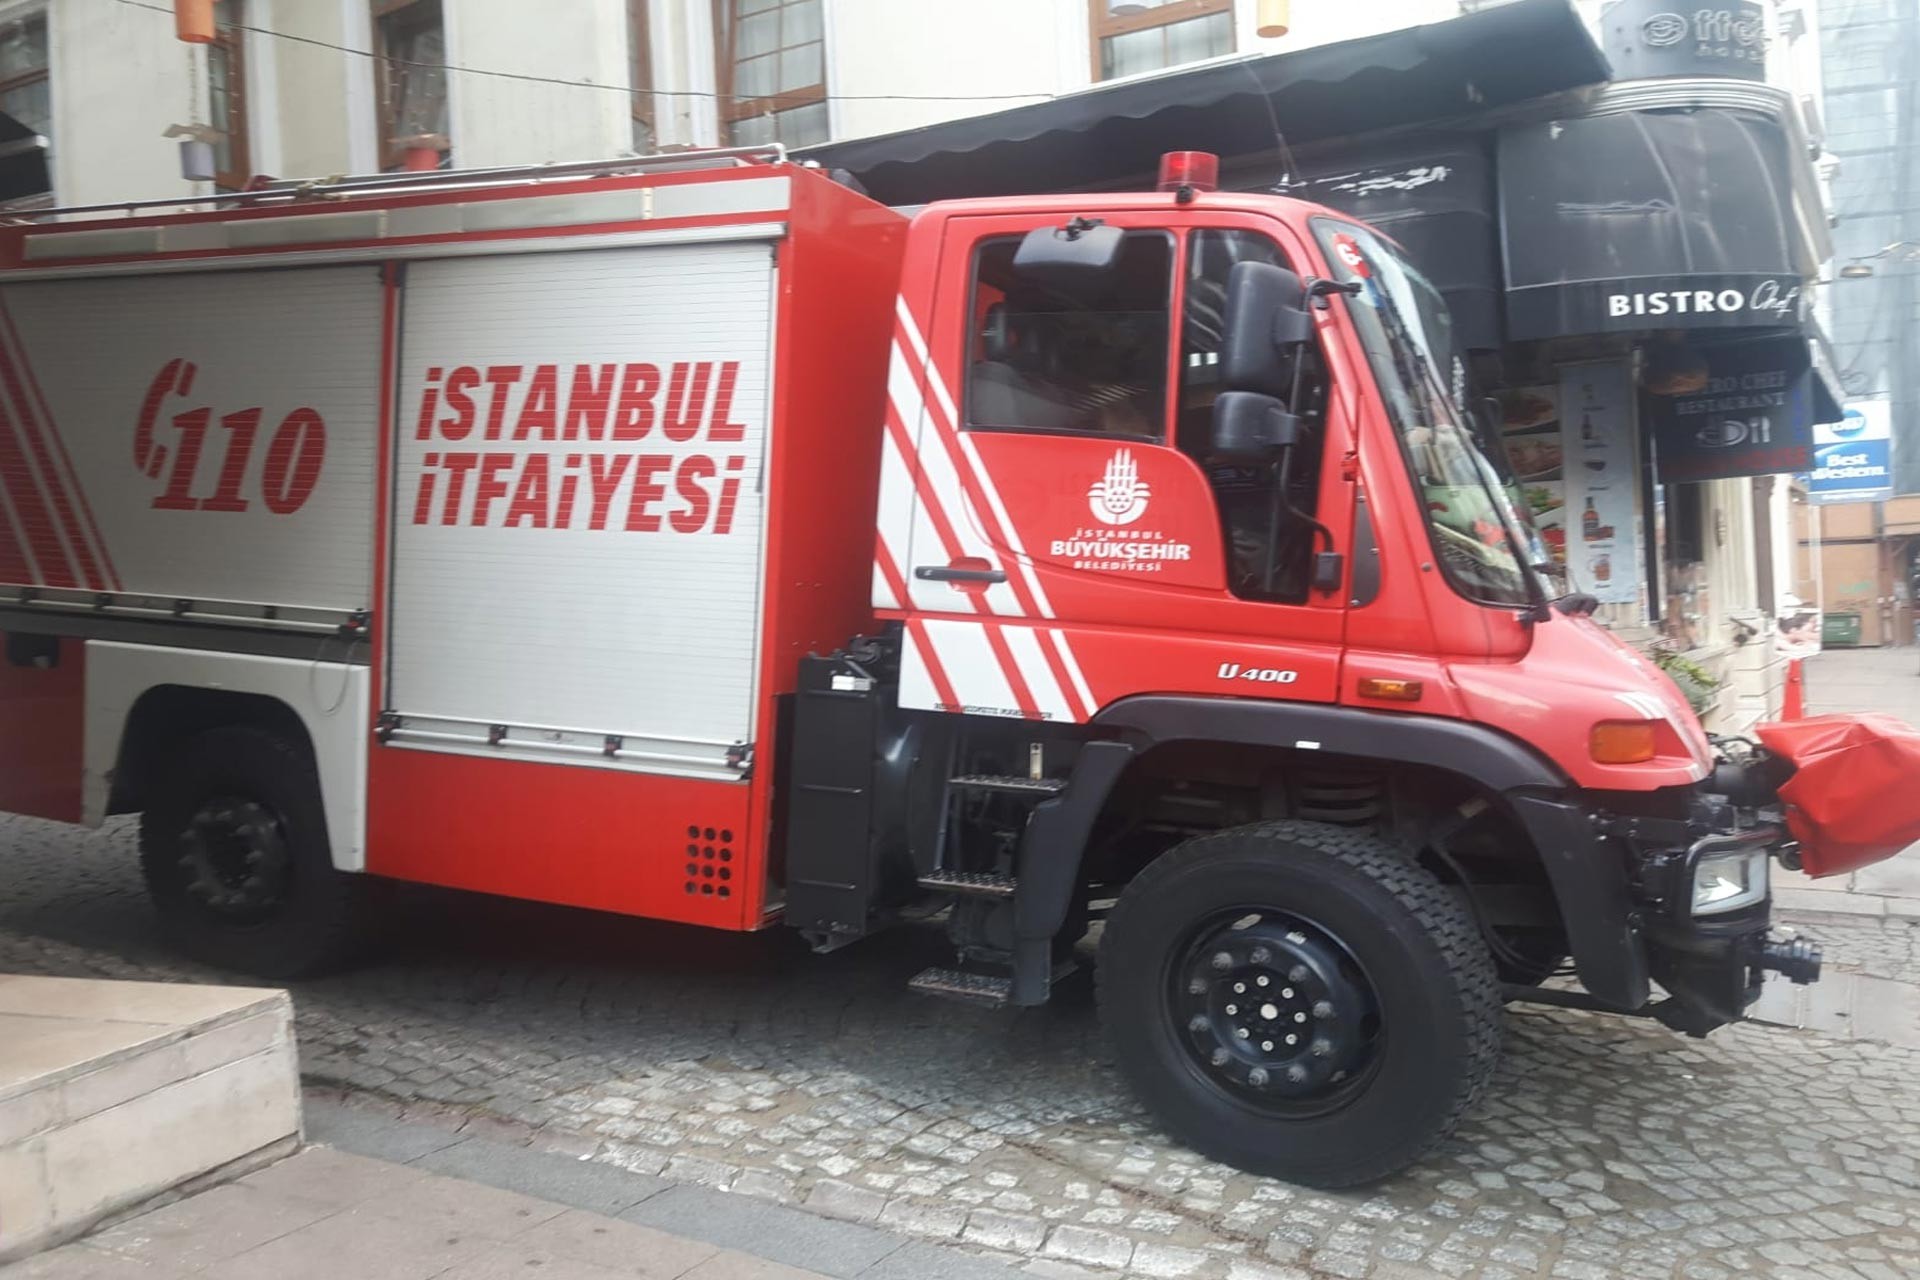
(1606,1148)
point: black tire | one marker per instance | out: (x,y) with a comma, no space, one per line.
(1369,1103)
(234,849)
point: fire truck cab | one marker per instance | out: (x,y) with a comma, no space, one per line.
(694,538)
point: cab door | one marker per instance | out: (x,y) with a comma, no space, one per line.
(1090,544)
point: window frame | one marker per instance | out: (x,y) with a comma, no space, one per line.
(1102,25)
(44,72)
(732,110)
(1163,436)
(640,70)
(386,99)
(231,39)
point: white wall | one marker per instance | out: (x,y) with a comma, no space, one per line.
(1027,50)
(301,113)
(119,78)
(500,122)
(1034,48)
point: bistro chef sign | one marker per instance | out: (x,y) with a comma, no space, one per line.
(1771,300)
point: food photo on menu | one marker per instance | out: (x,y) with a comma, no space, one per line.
(1531,431)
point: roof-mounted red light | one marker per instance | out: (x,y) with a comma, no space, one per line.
(1194,170)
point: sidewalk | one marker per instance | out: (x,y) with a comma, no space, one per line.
(1885,680)
(390,1200)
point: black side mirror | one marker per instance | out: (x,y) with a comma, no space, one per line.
(1250,427)
(1065,256)
(1266,322)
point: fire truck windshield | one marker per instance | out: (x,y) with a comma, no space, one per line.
(1479,536)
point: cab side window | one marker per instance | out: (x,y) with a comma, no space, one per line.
(1090,358)
(1267,509)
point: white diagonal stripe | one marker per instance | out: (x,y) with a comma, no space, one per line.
(916,685)
(1020,559)
(1072,664)
(972,669)
(944,399)
(936,465)
(883,597)
(1048,696)
(895,518)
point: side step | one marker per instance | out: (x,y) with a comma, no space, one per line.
(1020,786)
(979,988)
(972,884)
(954,984)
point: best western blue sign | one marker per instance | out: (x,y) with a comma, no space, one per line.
(1852,458)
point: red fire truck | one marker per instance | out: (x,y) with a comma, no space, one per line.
(696,539)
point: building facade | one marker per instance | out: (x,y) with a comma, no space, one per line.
(1693,559)
(307,88)
(1859,556)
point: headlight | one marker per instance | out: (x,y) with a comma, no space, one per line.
(1729,881)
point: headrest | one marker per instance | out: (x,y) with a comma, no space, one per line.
(996,335)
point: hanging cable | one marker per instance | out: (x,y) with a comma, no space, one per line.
(588,84)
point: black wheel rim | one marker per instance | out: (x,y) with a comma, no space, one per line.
(1274,1011)
(234,860)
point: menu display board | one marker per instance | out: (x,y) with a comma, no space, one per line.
(1599,480)
(1531,430)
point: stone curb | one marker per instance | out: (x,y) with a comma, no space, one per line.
(1811,905)
(499,1155)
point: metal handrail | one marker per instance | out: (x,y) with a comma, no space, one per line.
(293,190)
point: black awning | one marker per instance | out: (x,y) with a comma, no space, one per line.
(1638,220)
(1434,194)
(23,161)
(1507,54)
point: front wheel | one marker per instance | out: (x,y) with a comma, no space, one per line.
(1299,1000)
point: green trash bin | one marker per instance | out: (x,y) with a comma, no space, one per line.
(1840,631)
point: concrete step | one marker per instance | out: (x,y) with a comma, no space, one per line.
(113,1092)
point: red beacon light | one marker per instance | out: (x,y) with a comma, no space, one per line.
(1186,172)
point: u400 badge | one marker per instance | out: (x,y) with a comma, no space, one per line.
(1257,675)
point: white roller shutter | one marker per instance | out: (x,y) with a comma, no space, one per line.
(199,438)
(579,578)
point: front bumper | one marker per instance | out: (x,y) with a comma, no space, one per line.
(1625,889)
(1712,965)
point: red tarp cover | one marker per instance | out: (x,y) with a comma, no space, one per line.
(1855,797)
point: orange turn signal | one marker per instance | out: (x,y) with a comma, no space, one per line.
(1390,690)
(1621,741)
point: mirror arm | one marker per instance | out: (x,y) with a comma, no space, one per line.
(1282,505)
(1320,289)
(1276,507)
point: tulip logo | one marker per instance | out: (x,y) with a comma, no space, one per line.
(1119,496)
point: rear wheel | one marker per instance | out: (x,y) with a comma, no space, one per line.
(234,849)
(1299,1000)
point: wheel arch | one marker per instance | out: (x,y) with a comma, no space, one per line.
(1489,759)
(141,699)
(1588,885)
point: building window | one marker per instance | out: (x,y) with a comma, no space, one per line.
(1132,36)
(23,73)
(646,137)
(773,79)
(227,97)
(410,45)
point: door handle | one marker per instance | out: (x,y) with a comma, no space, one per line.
(948,573)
